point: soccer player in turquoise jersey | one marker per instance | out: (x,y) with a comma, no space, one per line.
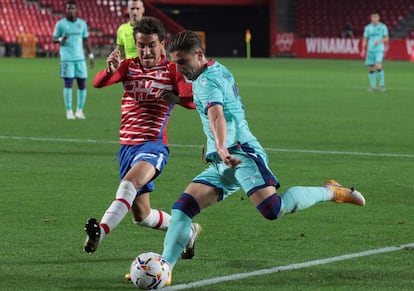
(72,35)
(237,160)
(373,46)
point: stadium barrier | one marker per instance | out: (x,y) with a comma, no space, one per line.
(334,48)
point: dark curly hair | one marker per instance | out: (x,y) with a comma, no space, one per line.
(150,25)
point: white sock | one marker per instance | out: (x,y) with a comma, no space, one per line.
(157,219)
(119,208)
(330,195)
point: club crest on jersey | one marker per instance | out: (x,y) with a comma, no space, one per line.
(146,90)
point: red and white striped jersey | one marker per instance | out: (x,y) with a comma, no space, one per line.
(144,116)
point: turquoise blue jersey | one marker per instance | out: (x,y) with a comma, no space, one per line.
(374,33)
(216,87)
(72,48)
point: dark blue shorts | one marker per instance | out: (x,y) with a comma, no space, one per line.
(155,153)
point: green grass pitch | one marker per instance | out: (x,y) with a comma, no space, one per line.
(315,117)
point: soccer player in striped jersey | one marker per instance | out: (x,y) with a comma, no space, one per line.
(72,35)
(238,161)
(373,46)
(152,86)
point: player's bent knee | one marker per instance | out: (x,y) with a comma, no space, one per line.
(187,204)
(270,207)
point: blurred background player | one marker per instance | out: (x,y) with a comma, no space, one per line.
(237,159)
(125,38)
(72,35)
(347,30)
(375,36)
(143,136)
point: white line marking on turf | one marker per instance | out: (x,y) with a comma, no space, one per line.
(74,140)
(286,268)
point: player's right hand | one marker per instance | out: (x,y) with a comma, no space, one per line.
(113,61)
(228,158)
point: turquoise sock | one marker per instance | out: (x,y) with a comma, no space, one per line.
(81,99)
(372,79)
(177,237)
(67,97)
(299,198)
(380,74)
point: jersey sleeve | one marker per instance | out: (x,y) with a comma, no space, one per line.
(184,89)
(366,32)
(209,93)
(85,30)
(384,30)
(103,79)
(119,39)
(58,31)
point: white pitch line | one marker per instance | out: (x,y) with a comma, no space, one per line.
(74,140)
(286,268)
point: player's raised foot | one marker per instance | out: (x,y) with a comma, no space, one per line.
(79,114)
(344,194)
(189,250)
(69,114)
(382,88)
(93,234)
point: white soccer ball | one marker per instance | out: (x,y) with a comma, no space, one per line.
(149,271)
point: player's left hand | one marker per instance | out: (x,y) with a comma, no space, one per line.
(168,96)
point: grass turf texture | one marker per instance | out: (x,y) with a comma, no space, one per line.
(49,188)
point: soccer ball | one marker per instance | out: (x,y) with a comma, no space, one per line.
(149,271)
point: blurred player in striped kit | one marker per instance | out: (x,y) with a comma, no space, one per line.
(152,87)
(72,35)
(373,46)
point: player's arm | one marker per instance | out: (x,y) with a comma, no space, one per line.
(113,73)
(385,34)
(87,46)
(218,129)
(60,40)
(58,36)
(383,40)
(183,94)
(364,46)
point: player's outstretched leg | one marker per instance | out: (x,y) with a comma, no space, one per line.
(125,195)
(345,195)
(158,219)
(178,233)
(299,198)
(93,234)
